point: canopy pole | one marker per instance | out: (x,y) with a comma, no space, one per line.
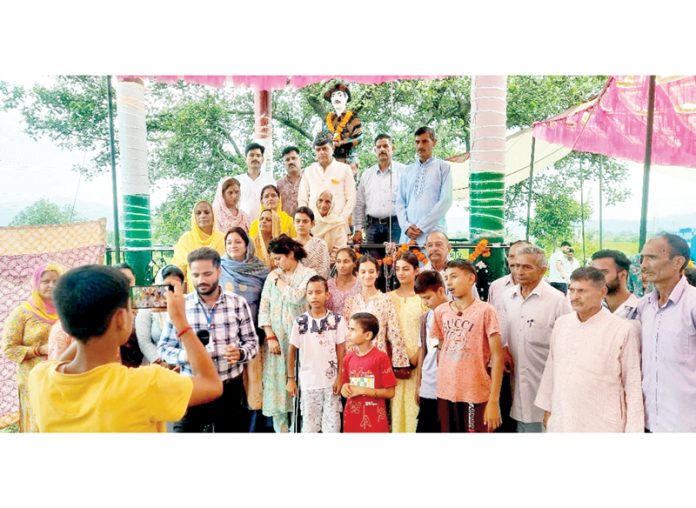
(601,214)
(582,210)
(114,187)
(646,164)
(529,189)
(262,125)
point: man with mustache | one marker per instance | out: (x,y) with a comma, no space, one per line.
(591,380)
(253,181)
(289,185)
(225,320)
(668,337)
(425,191)
(375,214)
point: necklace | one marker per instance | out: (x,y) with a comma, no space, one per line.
(459,310)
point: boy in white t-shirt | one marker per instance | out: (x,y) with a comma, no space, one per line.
(320,336)
(431,288)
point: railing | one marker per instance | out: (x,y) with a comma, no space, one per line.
(161,255)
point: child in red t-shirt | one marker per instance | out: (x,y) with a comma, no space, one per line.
(368,378)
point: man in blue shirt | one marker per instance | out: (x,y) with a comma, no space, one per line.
(425,191)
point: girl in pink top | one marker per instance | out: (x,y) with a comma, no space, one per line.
(469,338)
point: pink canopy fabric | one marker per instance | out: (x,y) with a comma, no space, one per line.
(275,82)
(614,123)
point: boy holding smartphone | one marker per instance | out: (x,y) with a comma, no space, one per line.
(93,392)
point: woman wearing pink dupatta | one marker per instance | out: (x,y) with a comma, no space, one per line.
(25,336)
(226,209)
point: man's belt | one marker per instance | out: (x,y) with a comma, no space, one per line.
(375,220)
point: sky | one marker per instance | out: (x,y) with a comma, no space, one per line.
(32,169)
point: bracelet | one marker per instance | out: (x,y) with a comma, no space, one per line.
(35,350)
(291,377)
(272,337)
(178,335)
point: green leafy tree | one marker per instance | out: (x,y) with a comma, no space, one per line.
(197,134)
(44,212)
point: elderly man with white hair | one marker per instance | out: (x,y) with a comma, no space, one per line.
(531,309)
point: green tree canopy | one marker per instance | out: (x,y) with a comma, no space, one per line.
(197,134)
(43,212)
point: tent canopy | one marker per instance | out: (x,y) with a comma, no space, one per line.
(518,150)
(275,82)
(614,123)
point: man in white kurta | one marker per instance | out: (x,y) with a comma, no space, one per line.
(328,174)
(592,379)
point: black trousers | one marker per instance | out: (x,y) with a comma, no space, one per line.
(508,424)
(379,233)
(428,420)
(225,414)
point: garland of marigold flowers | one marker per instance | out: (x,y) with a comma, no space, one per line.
(342,124)
(481,249)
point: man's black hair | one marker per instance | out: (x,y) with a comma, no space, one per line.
(204,253)
(254,146)
(565,243)
(289,149)
(620,260)
(87,297)
(384,136)
(426,130)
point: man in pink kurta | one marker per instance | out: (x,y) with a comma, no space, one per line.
(592,379)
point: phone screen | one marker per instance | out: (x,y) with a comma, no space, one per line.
(150,297)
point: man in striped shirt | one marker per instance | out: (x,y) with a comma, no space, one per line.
(223,320)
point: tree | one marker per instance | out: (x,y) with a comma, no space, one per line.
(43,212)
(196,134)
(555,216)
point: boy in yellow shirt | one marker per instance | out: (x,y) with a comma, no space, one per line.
(93,392)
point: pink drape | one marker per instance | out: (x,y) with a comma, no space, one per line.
(614,123)
(275,82)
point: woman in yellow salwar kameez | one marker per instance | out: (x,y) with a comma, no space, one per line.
(202,234)
(409,309)
(25,335)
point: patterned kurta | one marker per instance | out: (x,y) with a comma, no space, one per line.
(382,308)
(404,410)
(317,256)
(338,298)
(23,331)
(279,309)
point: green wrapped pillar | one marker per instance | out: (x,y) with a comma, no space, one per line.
(135,182)
(487,174)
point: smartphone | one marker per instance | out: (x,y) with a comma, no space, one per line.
(150,297)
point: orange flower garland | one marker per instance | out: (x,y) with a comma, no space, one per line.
(342,125)
(481,249)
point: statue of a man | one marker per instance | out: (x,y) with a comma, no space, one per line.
(344,126)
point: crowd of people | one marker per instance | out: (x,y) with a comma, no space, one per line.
(274,323)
